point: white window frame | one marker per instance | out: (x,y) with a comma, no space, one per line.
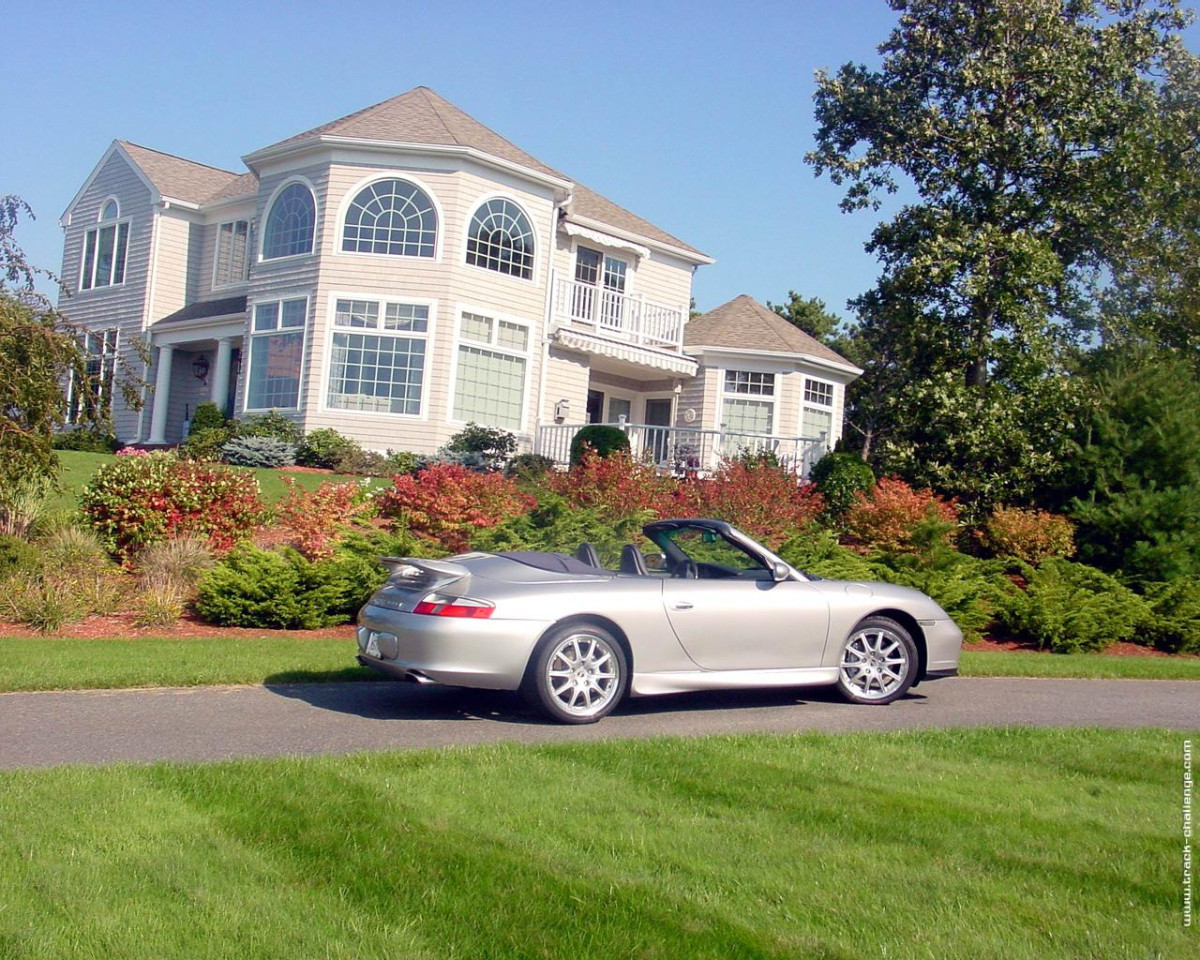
(115,225)
(356,189)
(109,358)
(537,239)
(527,355)
(426,369)
(261,239)
(805,404)
(772,398)
(248,348)
(217,253)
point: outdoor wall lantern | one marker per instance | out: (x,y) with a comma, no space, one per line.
(562,410)
(200,368)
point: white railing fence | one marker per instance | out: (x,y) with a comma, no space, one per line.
(688,450)
(632,319)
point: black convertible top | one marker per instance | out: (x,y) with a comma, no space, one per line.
(554,562)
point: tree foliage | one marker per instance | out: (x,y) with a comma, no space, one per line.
(1030,133)
(811,315)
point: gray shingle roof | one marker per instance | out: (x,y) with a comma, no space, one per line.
(183,179)
(744,323)
(228,307)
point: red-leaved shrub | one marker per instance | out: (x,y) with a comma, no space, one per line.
(446,502)
(757,497)
(616,487)
(891,514)
(314,518)
(1029,535)
(138,500)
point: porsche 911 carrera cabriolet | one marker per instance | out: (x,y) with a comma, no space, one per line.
(707,609)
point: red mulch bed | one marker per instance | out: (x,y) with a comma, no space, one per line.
(1001,645)
(121,626)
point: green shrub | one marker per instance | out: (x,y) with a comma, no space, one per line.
(86,440)
(403,461)
(208,416)
(493,445)
(364,463)
(272,424)
(818,552)
(529,466)
(603,441)
(258,451)
(17,555)
(1028,535)
(1175,624)
(839,476)
(1069,607)
(205,444)
(261,588)
(324,448)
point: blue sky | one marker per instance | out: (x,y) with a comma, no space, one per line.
(694,115)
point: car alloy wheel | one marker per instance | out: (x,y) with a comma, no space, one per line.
(578,674)
(879,662)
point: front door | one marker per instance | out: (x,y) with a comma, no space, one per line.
(600,289)
(595,406)
(658,414)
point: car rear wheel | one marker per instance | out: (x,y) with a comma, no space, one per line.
(879,662)
(578,674)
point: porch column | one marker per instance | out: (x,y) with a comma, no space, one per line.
(162,395)
(220,384)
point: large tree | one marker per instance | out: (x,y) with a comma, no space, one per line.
(1023,130)
(811,315)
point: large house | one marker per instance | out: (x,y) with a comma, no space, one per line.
(404,270)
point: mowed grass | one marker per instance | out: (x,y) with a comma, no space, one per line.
(983,844)
(78,468)
(58,664)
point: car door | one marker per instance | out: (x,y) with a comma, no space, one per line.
(741,624)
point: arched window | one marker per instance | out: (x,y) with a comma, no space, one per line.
(500,238)
(110,210)
(104,249)
(290,224)
(394,217)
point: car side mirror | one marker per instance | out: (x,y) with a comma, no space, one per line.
(656,561)
(780,572)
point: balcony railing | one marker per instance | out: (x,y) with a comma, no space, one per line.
(688,450)
(629,319)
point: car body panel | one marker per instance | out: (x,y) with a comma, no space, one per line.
(776,627)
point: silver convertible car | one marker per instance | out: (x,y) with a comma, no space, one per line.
(709,609)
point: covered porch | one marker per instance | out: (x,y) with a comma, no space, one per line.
(198,359)
(688,451)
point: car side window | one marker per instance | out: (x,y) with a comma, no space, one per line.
(715,556)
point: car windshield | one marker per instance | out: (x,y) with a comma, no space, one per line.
(712,552)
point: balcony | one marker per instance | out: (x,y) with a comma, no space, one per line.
(684,451)
(615,316)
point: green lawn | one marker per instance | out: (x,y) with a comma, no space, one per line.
(56,664)
(77,469)
(977,844)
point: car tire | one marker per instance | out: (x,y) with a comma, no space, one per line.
(878,662)
(577,674)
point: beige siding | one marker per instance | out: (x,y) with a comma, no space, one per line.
(566,379)
(121,306)
(790,388)
(178,239)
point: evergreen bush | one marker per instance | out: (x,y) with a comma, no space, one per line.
(602,440)
(258,451)
(208,416)
(86,440)
(271,424)
(205,445)
(1175,625)
(839,476)
(324,448)
(492,445)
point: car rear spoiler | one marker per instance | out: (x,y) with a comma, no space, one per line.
(423,573)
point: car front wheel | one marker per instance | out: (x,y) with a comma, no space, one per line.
(578,674)
(879,662)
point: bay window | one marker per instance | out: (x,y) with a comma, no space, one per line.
(377,358)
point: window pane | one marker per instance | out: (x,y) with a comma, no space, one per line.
(817,392)
(110,211)
(489,388)
(618,408)
(391,217)
(266,315)
(587,266)
(377,373)
(815,422)
(477,328)
(275,371)
(357,313)
(406,316)
(747,416)
(122,246)
(747,382)
(511,335)
(89,260)
(291,223)
(500,238)
(104,256)
(294,313)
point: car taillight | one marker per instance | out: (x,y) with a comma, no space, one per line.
(439,606)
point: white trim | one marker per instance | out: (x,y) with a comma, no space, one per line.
(780,356)
(538,256)
(349,197)
(248,348)
(99,225)
(698,258)
(630,272)
(527,355)
(192,331)
(104,203)
(278,151)
(834,433)
(262,234)
(324,373)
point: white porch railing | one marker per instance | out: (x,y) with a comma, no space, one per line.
(688,450)
(611,314)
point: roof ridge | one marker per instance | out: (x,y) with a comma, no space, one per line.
(435,107)
(175,156)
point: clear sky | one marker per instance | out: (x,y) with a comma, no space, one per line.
(694,115)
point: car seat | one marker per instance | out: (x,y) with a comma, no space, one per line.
(632,561)
(587,554)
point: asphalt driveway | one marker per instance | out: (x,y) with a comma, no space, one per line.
(212,723)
